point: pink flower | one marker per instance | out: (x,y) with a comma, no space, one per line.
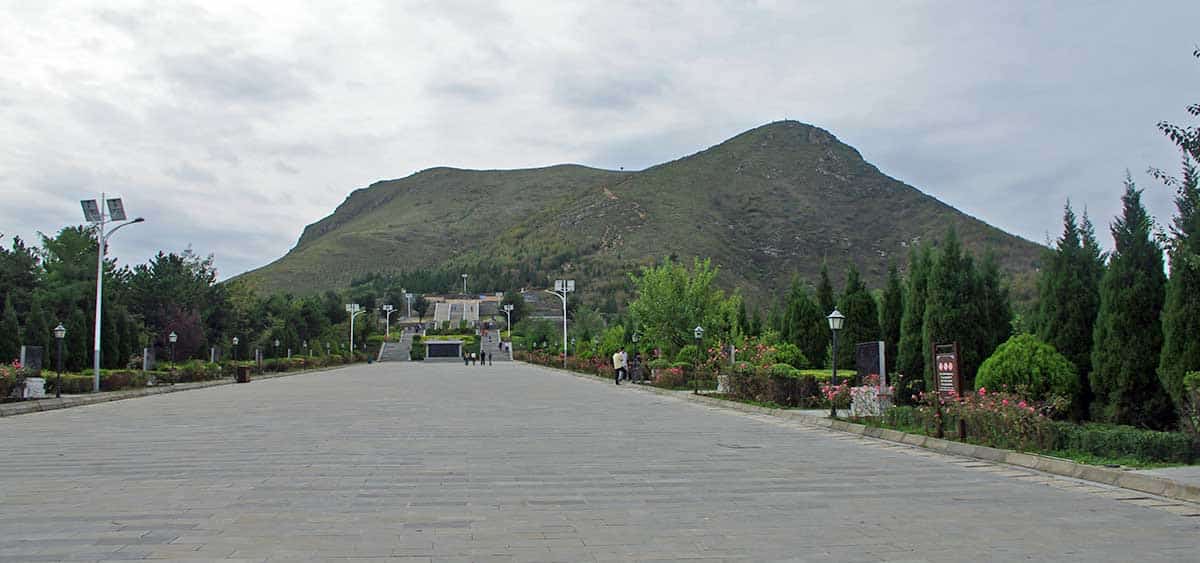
(982,391)
(1004,402)
(1022,404)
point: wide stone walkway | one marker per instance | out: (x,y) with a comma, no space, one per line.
(437,461)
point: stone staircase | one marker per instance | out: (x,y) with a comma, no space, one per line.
(493,347)
(397,351)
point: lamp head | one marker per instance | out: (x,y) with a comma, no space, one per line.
(60,332)
(699,332)
(173,338)
(836,320)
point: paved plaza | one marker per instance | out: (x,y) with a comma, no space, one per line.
(438,461)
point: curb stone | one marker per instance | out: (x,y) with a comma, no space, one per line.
(1151,484)
(53,403)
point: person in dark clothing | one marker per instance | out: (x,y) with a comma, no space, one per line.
(489,358)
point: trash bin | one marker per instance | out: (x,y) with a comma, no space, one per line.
(243,374)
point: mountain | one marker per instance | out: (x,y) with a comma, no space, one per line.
(766,205)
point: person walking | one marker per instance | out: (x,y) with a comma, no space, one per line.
(619,365)
(635,368)
(466,359)
(489,354)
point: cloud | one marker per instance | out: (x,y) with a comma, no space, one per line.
(233,125)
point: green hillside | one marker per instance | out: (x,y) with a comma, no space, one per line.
(767,204)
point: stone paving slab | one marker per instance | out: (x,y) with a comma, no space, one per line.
(441,462)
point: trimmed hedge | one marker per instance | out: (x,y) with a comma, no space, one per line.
(780,384)
(1110,440)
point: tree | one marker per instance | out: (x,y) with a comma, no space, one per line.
(951,314)
(825,299)
(519,309)
(421,306)
(994,308)
(10,333)
(1181,311)
(18,274)
(110,342)
(37,331)
(671,301)
(862,318)
(1069,300)
(1127,339)
(77,348)
(891,315)
(910,357)
(807,328)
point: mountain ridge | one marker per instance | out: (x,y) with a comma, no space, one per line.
(768,203)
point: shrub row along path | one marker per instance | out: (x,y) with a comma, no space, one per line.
(438,461)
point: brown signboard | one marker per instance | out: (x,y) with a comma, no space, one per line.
(945,362)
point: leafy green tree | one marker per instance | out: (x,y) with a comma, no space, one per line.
(1069,300)
(994,307)
(910,357)
(110,342)
(520,308)
(671,301)
(825,298)
(1027,365)
(862,319)
(1128,331)
(10,333)
(18,274)
(891,316)
(1181,311)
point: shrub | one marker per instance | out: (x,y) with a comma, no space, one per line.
(689,355)
(1031,367)
(783,370)
(659,363)
(790,354)
(1113,441)
(671,378)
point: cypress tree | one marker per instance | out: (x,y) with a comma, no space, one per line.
(825,299)
(807,327)
(38,333)
(995,310)
(951,310)
(891,313)
(1181,312)
(79,342)
(110,351)
(910,356)
(10,333)
(1069,299)
(1128,338)
(862,318)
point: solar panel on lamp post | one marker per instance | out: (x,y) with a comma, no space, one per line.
(94,213)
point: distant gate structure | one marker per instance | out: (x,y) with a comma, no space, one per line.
(443,349)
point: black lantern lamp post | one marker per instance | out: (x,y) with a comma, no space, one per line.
(836,320)
(235,349)
(60,332)
(172,338)
(698,333)
(276,343)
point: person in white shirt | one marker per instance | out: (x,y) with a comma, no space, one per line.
(619,363)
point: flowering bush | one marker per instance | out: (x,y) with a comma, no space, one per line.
(12,377)
(838,394)
(998,419)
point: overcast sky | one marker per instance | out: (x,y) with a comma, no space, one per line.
(232,126)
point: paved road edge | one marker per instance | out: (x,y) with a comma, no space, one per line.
(1155,485)
(51,404)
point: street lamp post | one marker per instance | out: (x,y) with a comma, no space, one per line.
(508,307)
(94,212)
(698,333)
(836,320)
(409,297)
(275,352)
(235,349)
(464,277)
(355,310)
(60,332)
(172,338)
(387,321)
(561,289)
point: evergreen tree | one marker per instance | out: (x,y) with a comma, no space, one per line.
(825,299)
(110,343)
(910,357)
(77,348)
(1069,299)
(891,313)
(951,313)
(1127,339)
(38,332)
(807,328)
(1181,312)
(10,333)
(862,319)
(995,310)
